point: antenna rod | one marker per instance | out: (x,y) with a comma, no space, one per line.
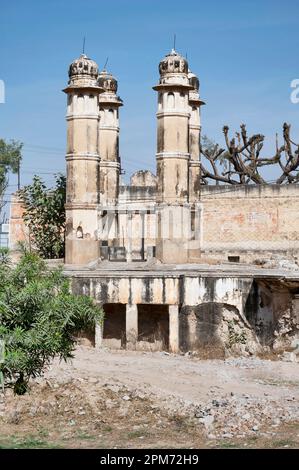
(174,41)
(83,50)
(106,63)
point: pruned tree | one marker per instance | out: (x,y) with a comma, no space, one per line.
(241,162)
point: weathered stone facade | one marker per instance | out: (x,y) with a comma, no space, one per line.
(176,265)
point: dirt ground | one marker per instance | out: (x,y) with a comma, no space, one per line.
(123,399)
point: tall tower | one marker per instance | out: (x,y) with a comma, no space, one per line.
(194,138)
(173,159)
(109,104)
(82,159)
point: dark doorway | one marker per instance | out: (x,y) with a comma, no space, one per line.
(234,259)
(153,327)
(114,331)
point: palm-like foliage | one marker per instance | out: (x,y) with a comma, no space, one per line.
(39,317)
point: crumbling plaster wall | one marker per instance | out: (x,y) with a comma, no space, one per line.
(163,288)
(256,223)
(221,301)
(272,310)
(216,314)
(18,232)
(253,221)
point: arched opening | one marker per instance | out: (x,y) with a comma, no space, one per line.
(182,99)
(160,100)
(170,101)
(102,115)
(110,116)
(80,103)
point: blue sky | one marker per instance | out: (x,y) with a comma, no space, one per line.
(244,52)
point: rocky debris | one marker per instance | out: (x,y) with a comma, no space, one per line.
(286,332)
(286,264)
(279,264)
(237,334)
(219,403)
(207,421)
(222,411)
(229,417)
(290,357)
(244,363)
(14,417)
(126,398)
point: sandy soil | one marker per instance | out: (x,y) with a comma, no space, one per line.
(128,399)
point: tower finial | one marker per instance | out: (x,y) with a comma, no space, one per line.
(83,48)
(106,63)
(174,41)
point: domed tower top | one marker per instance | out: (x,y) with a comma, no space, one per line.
(173,70)
(83,72)
(109,84)
(173,63)
(193,80)
(107,81)
(194,92)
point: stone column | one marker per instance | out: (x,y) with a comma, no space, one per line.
(295,308)
(129,219)
(98,335)
(18,232)
(195,104)
(81,244)
(131,325)
(173,158)
(174,328)
(109,103)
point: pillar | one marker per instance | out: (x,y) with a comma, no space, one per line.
(18,231)
(195,104)
(295,308)
(129,224)
(82,158)
(109,104)
(174,328)
(98,335)
(131,325)
(173,159)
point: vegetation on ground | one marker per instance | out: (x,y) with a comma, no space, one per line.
(39,317)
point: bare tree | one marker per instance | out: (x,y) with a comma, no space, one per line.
(241,162)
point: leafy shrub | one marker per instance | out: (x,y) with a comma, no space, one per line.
(39,317)
(44,215)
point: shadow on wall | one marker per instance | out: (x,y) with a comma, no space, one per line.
(271,309)
(153,327)
(213,329)
(114,331)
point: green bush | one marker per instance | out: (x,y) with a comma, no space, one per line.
(38,318)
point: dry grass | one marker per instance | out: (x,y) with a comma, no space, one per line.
(65,417)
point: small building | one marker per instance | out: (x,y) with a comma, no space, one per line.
(175,264)
(4,235)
